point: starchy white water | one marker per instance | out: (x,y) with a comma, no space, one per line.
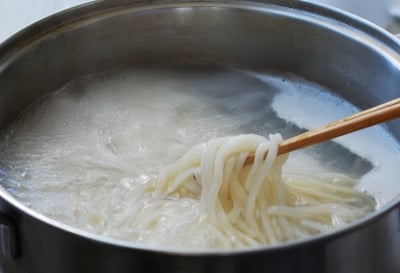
(312,106)
(81,155)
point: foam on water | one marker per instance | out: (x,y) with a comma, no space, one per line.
(79,155)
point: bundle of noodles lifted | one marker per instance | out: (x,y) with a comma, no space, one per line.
(251,204)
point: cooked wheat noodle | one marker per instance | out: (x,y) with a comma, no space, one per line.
(258,204)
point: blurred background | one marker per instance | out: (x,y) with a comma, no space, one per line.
(16,14)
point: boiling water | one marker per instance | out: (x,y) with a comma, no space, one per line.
(80,155)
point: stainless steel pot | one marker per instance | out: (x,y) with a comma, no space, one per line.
(355,58)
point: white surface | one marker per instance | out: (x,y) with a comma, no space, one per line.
(17,14)
(376,11)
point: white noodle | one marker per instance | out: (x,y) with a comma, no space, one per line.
(248,205)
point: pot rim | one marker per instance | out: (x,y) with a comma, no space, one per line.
(76,16)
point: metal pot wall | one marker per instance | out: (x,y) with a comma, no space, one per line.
(355,58)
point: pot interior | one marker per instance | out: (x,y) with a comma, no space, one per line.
(306,48)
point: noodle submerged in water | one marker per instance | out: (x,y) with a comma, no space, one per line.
(86,157)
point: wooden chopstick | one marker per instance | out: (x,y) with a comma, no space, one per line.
(369,117)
